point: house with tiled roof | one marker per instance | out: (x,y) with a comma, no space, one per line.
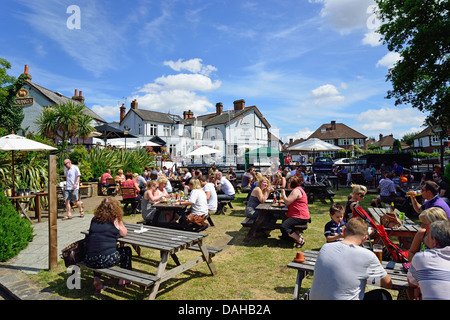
(340,135)
(33,98)
(384,142)
(230,131)
(429,142)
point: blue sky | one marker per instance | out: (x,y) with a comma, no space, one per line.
(302,63)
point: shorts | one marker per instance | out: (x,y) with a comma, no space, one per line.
(71,195)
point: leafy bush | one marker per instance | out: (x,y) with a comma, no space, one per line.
(15,231)
(447,172)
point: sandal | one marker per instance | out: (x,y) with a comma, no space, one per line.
(66,218)
(82,214)
(300,243)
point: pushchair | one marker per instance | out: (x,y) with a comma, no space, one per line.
(396,253)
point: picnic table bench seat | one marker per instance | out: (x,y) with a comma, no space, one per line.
(325,194)
(144,280)
(248,222)
(221,206)
(212,250)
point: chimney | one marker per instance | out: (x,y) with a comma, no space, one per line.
(333,125)
(381,137)
(291,141)
(28,76)
(219,108)
(78,96)
(190,114)
(134,104)
(239,105)
(122,112)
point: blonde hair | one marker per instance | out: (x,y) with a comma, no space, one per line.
(433,214)
(195,184)
(260,182)
(151,183)
(162,180)
(258,176)
(357,188)
(120,171)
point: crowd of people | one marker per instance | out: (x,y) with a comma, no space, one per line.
(345,232)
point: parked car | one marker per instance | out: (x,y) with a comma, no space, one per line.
(323,164)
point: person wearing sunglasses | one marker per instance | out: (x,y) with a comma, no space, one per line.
(358,194)
(444,191)
(430,194)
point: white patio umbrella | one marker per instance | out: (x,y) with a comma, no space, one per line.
(14,143)
(204,150)
(314,144)
(149,144)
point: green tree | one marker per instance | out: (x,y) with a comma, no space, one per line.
(409,138)
(419,32)
(11,116)
(64,121)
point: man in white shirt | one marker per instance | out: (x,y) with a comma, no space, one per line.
(72,191)
(431,268)
(343,268)
(225,186)
(211,194)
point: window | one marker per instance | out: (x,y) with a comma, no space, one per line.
(329,141)
(345,142)
(140,128)
(359,142)
(153,129)
(166,131)
(172,149)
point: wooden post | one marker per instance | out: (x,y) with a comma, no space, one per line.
(52,214)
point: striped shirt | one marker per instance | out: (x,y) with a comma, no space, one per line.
(431,270)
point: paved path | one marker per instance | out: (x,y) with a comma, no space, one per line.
(13,274)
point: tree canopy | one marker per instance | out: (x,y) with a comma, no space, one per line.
(419,32)
(11,116)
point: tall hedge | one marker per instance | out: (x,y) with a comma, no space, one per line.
(16,232)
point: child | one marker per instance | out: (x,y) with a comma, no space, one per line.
(334,229)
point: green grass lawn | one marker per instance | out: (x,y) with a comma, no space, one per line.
(254,270)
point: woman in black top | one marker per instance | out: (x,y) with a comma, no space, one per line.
(358,194)
(102,251)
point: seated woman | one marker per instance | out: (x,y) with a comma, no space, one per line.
(132,183)
(148,199)
(421,239)
(259,195)
(101,248)
(199,205)
(358,194)
(298,212)
(160,194)
(279,181)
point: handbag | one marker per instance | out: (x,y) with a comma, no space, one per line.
(195,219)
(74,253)
(390,220)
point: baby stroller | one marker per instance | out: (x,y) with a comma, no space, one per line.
(396,253)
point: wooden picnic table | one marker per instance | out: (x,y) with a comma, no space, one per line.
(267,210)
(169,242)
(318,190)
(408,229)
(398,274)
(22,204)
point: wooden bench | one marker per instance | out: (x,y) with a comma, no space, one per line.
(111,188)
(248,222)
(221,206)
(212,251)
(144,280)
(130,192)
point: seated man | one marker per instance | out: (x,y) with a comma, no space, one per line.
(430,194)
(343,268)
(386,188)
(106,175)
(444,191)
(225,190)
(430,268)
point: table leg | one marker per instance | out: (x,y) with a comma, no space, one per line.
(161,268)
(37,208)
(298,284)
(207,258)
(256,225)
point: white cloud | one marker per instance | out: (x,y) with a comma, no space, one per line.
(345,15)
(387,120)
(325,94)
(389,60)
(179,92)
(192,65)
(372,38)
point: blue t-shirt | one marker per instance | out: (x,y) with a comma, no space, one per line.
(333,229)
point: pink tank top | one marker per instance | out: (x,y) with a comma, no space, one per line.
(129,184)
(299,208)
